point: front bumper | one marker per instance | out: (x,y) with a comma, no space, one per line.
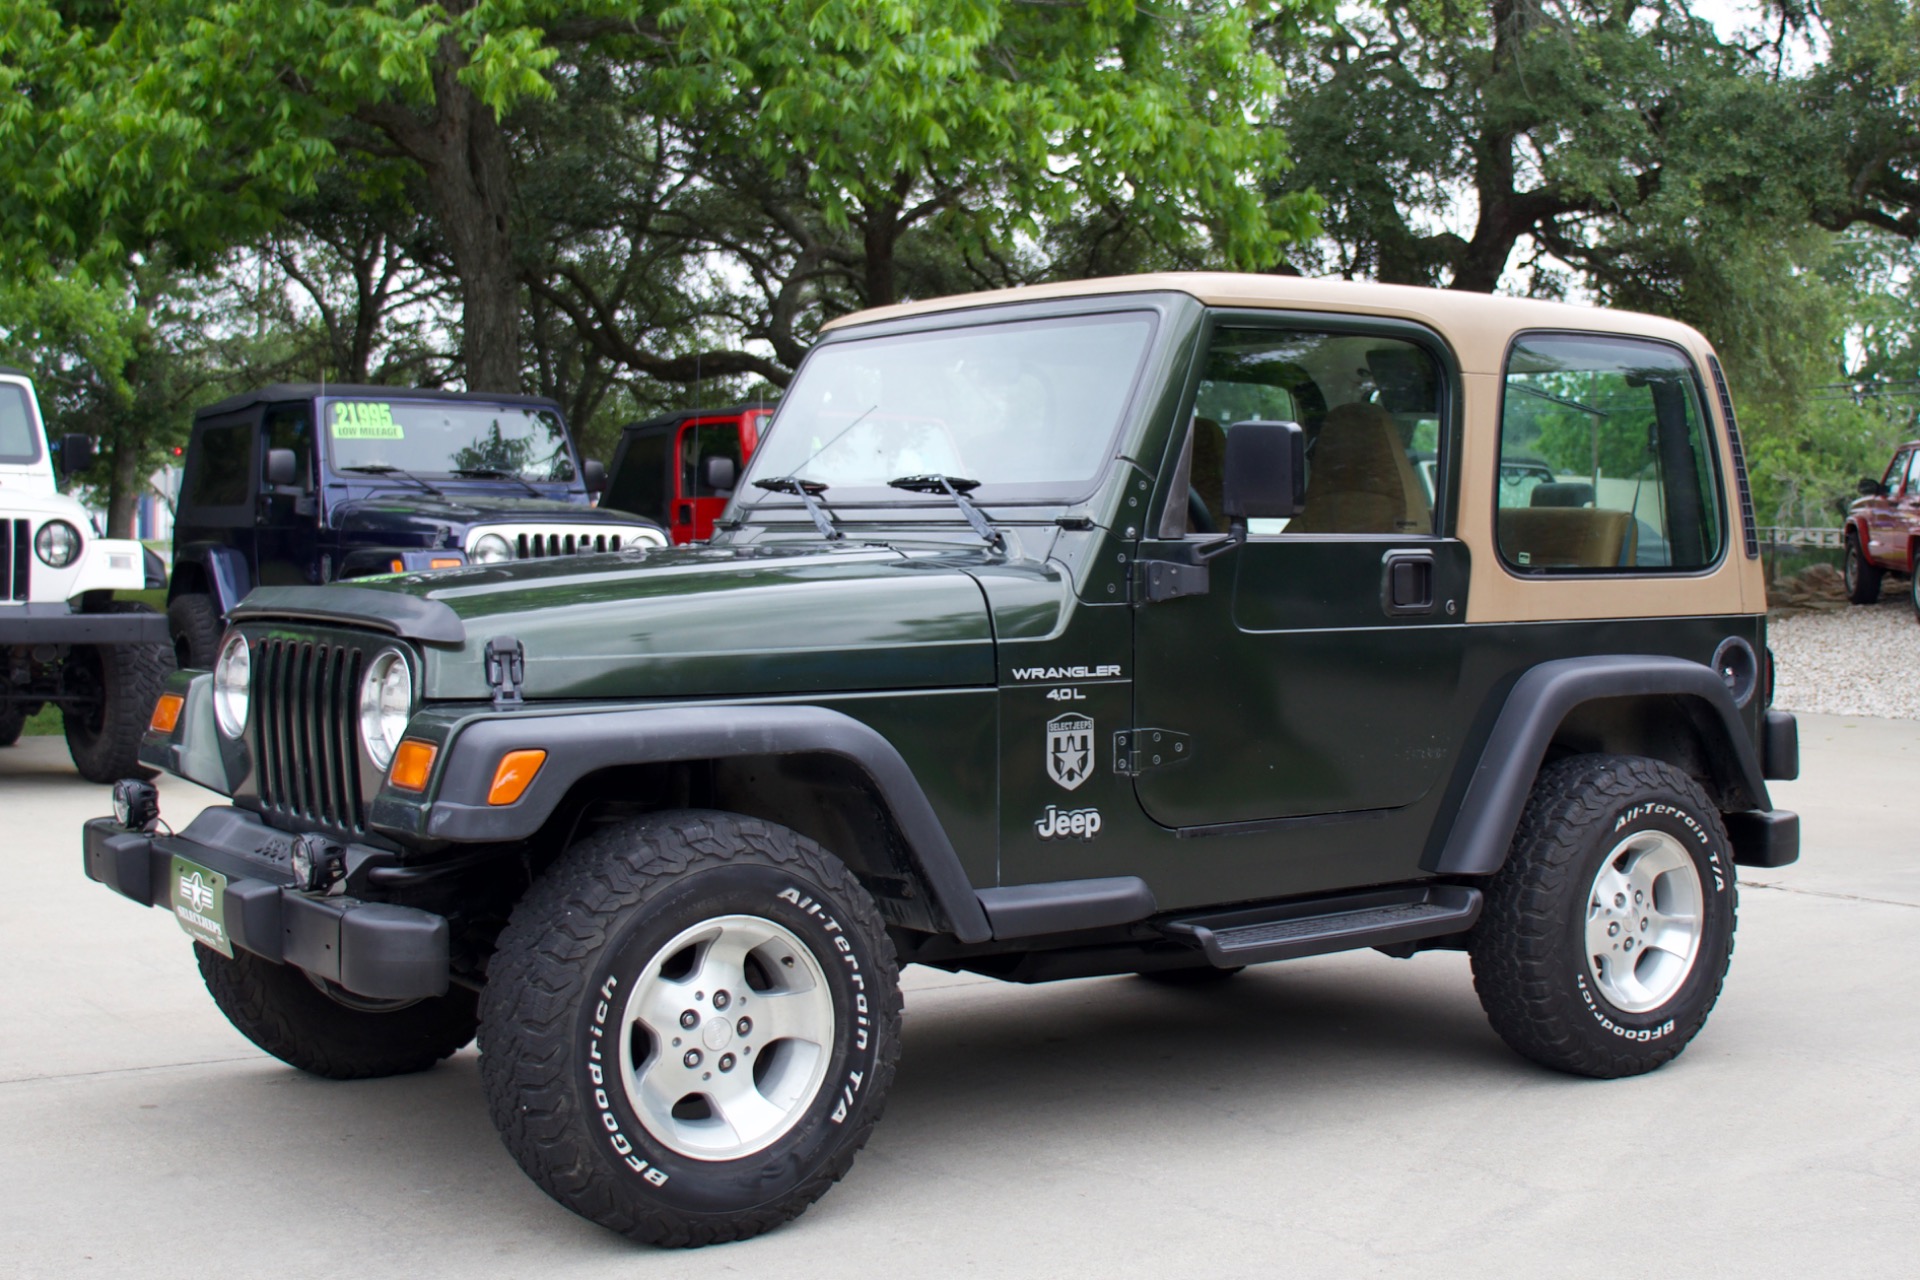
(373,949)
(57,624)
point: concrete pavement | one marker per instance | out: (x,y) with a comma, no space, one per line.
(1347,1116)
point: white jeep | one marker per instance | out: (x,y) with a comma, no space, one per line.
(64,639)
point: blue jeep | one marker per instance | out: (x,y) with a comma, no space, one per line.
(302,484)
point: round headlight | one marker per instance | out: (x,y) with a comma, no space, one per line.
(232,677)
(386,701)
(57,544)
(491,549)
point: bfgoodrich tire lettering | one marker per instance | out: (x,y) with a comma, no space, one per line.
(1606,935)
(627,921)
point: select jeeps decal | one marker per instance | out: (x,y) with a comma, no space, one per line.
(1050,675)
(1068,824)
(1069,749)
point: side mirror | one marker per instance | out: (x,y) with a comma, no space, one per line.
(76,454)
(594,475)
(1266,471)
(1871,488)
(718,473)
(283,465)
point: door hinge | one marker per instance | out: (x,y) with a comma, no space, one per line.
(1137,750)
(506,671)
(1167,580)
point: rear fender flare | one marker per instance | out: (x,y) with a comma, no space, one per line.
(585,742)
(1540,702)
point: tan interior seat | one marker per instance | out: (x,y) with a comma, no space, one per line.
(1361,480)
(1567,537)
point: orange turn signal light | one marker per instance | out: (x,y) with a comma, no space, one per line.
(445,562)
(514,776)
(397,565)
(412,762)
(166,713)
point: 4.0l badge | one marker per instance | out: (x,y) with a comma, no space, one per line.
(1069,750)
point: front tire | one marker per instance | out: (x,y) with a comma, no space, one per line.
(119,684)
(193,620)
(335,1035)
(689,1027)
(1862,575)
(13,721)
(1606,935)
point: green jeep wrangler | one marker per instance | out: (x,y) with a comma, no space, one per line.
(1103,628)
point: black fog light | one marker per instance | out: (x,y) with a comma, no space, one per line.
(136,805)
(316,864)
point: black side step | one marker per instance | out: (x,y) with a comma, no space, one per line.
(1285,931)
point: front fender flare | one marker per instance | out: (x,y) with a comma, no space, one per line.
(583,742)
(1490,808)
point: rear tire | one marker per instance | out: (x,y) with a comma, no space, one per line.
(13,719)
(1863,577)
(193,620)
(689,1027)
(123,682)
(1606,935)
(278,1007)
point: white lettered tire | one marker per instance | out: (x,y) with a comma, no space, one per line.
(1607,933)
(689,1027)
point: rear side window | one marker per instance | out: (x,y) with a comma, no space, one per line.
(708,440)
(19,433)
(221,470)
(1605,461)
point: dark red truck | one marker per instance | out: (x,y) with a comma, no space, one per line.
(680,468)
(1883,528)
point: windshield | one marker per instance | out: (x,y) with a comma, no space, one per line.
(1029,409)
(19,433)
(444,437)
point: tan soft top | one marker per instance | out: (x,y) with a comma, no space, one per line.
(1476,325)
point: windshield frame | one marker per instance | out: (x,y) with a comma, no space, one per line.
(1154,307)
(336,468)
(36,429)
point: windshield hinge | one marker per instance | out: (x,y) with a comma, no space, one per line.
(506,671)
(1137,750)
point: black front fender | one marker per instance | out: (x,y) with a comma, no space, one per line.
(586,741)
(1540,702)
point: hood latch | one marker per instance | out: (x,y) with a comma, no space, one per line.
(506,671)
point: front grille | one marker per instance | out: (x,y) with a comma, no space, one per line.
(306,711)
(16,559)
(542,545)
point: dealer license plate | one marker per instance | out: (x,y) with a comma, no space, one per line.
(199,899)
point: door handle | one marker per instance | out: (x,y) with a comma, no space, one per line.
(1406,583)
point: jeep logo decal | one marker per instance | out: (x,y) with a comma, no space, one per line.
(1069,750)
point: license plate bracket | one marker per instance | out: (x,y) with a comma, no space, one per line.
(199,899)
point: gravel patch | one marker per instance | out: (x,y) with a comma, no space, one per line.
(1863,660)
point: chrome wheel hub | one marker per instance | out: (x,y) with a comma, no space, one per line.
(728,1031)
(1644,921)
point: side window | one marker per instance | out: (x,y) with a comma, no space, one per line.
(221,470)
(1619,470)
(1370,407)
(1913,474)
(1897,472)
(290,426)
(711,440)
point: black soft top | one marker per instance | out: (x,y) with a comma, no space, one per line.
(18,373)
(309,390)
(668,421)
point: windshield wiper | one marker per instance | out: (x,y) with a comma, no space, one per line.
(495,473)
(957,489)
(387,469)
(807,489)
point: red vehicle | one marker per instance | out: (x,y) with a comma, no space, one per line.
(680,468)
(1883,528)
